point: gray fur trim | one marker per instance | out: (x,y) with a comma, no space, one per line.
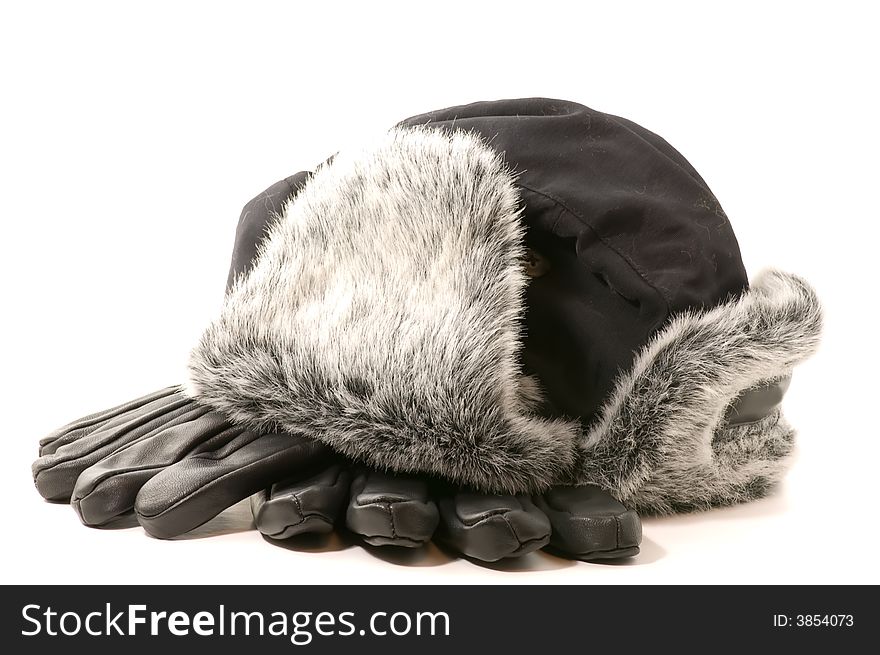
(383,318)
(659,443)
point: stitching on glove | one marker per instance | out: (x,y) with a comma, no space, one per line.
(390,508)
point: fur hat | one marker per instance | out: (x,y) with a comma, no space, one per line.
(511,295)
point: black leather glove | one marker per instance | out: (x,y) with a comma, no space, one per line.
(175,463)
(178,464)
(577,522)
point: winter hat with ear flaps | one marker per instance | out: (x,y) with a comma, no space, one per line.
(511,295)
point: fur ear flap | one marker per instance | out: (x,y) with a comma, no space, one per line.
(660,442)
(383,318)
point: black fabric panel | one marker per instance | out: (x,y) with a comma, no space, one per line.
(255,219)
(579,333)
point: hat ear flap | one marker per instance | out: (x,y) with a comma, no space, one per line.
(383,318)
(664,442)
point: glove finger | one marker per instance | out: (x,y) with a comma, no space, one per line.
(590,524)
(489,527)
(390,510)
(55,474)
(88,424)
(108,488)
(196,489)
(299,506)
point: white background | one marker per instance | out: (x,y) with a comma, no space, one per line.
(133,134)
